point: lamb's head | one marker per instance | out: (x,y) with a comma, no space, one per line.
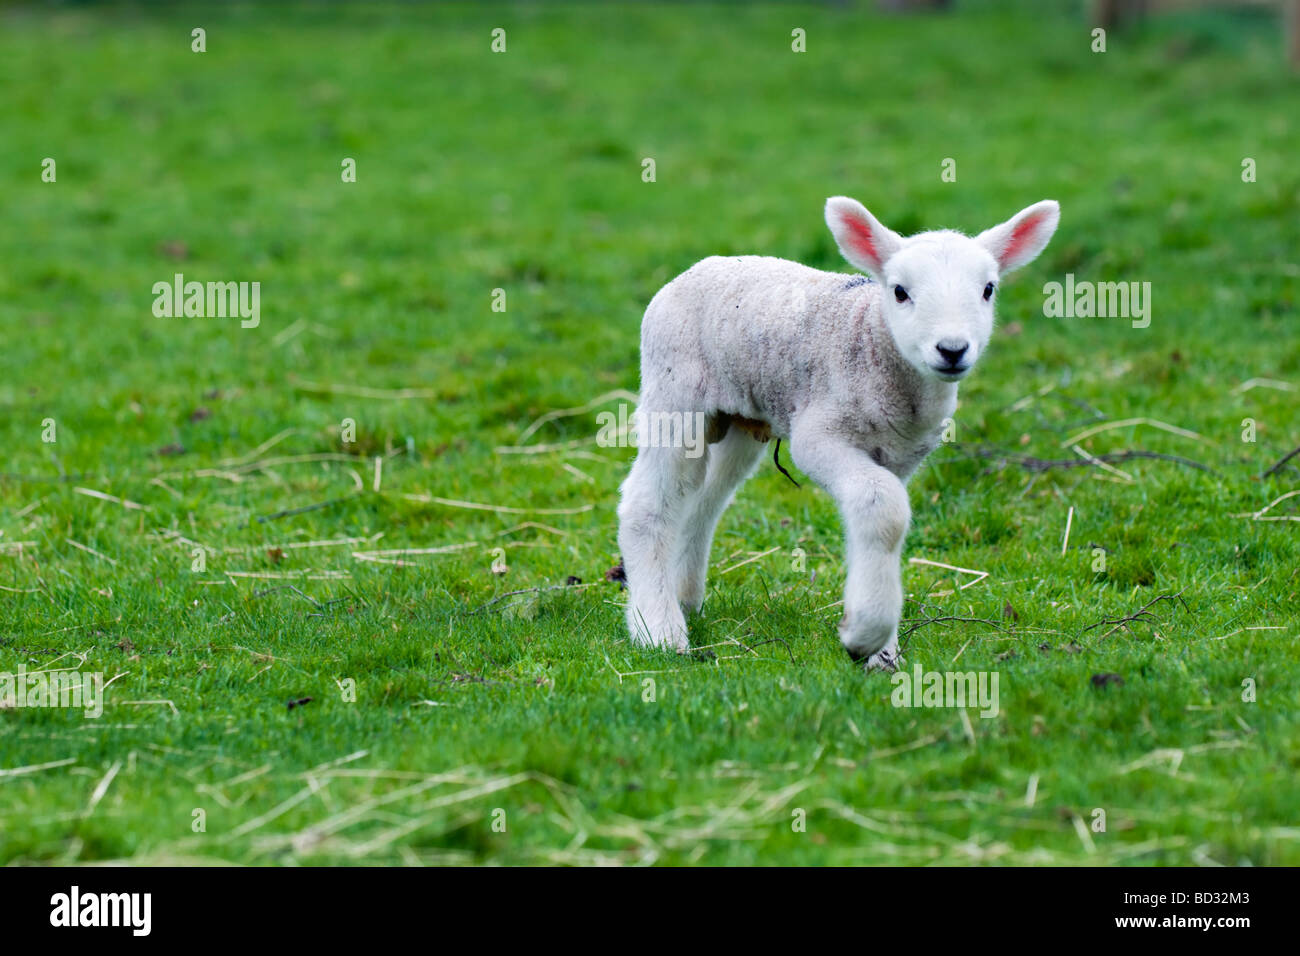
(939,287)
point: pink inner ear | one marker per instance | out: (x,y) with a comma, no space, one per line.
(861,239)
(1020,237)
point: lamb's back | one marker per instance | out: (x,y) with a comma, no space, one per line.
(750,333)
(753,301)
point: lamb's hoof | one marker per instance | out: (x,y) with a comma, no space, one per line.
(671,639)
(665,643)
(886,659)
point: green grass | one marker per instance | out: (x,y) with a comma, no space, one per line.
(522,171)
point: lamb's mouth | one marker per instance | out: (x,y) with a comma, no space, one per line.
(950,373)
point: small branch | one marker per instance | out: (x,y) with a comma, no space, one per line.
(299,511)
(306,597)
(52,479)
(537,590)
(774,640)
(922,622)
(1285,458)
(1126,423)
(1029,463)
(1142,614)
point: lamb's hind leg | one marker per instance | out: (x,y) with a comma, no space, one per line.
(731,461)
(657,497)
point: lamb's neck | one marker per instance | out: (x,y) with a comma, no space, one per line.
(938,400)
(928,400)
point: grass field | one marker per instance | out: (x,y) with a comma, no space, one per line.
(525,730)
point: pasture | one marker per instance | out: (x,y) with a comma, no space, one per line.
(344,572)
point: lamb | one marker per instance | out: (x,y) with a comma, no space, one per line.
(858,374)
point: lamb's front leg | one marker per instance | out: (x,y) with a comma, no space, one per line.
(873,502)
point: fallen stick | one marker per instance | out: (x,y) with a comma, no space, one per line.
(1285,458)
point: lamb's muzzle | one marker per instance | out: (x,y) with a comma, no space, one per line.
(858,376)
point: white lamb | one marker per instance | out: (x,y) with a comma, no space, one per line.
(858,375)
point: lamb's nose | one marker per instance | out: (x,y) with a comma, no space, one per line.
(952,350)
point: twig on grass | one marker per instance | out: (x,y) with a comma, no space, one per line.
(1260,514)
(922,622)
(1093,460)
(536,590)
(772,640)
(543,449)
(1031,791)
(1259,627)
(1081,829)
(1285,458)
(392,556)
(35,767)
(90,550)
(1174,755)
(1155,423)
(276,811)
(265,446)
(171,536)
(1141,614)
(621,674)
(1028,400)
(102,788)
(287,545)
(750,560)
(577,473)
(580,410)
(289,512)
(499,509)
(1031,464)
(952,567)
(236,473)
(81,657)
(52,479)
(150,703)
(310,574)
(1247,385)
(92,493)
(306,597)
(532,524)
(362,391)
(25,511)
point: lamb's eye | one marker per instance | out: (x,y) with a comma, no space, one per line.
(900,293)
(988,292)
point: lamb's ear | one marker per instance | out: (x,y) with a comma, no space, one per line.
(1020,239)
(865,243)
